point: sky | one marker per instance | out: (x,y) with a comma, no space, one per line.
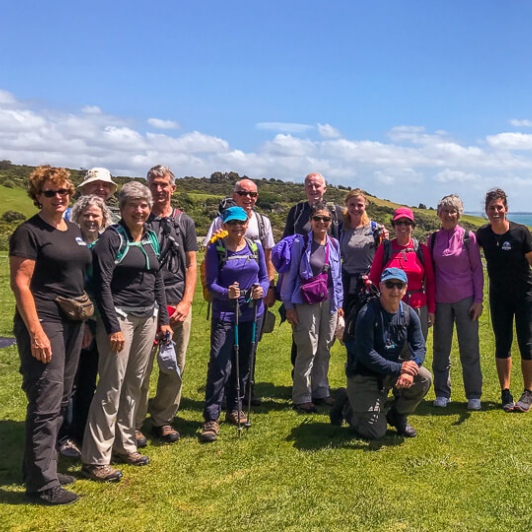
(409,100)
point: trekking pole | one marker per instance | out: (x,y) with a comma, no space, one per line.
(237,362)
(253,349)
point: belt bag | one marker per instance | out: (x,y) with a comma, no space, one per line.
(314,290)
(78,308)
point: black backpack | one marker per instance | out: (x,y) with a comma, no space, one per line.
(365,291)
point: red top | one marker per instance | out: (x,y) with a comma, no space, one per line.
(406,258)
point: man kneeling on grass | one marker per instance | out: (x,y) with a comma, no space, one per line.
(386,354)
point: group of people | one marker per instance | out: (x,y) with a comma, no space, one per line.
(97,287)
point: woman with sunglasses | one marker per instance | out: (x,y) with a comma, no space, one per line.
(459,294)
(237,280)
(313,295)
(414,258)
(359,240)
(48,258)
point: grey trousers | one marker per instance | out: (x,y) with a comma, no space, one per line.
(164,406)
(313,337)
(467,331)
(111,422)
(366,410)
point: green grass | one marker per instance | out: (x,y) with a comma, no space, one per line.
(16,199)
(465,471)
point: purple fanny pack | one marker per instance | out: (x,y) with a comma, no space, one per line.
(315,290)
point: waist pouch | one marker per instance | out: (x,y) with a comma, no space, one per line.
(78,308)
(314,290)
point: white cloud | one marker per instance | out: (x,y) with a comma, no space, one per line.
(163,124)
(329,132)
(521,123)
(285,127)
(414,165)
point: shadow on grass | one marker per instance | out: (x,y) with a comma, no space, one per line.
(12,444)
(312,436)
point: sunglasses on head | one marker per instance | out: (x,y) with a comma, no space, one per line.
(236,222)
(325,219)
(403,222)
(52,193)
(391,284)
(247,193)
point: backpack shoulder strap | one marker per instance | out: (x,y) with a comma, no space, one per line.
(419,251)
(387,255)
(123,248)
(433,242)
(467,236)
(262,230)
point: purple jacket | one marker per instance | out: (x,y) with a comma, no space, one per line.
(458,268)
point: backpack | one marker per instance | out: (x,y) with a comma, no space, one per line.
(300,207)
(221,250)
(174,242)
(149,238)
(365,292)
(388,251)
(230,202)
(378,233)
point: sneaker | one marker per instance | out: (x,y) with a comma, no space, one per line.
(400,422)
(166,433)
(507,400)
(142,441)
(65,480)
(327,401)
(235,416)
(441,402)
(209,431)
(523,405)
(336,413)
(101,472)
(70,449)
(306,408)
(474,404)
(52,496)
(135,458)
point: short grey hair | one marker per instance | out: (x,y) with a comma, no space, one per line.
(134,191)
(84,202)
(453,201)
(238,184)
(161,171)
(315,174)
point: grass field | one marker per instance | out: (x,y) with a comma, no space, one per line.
(467,471)
(16,199)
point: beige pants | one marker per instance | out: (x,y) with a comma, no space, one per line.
(164,406)
(111,421)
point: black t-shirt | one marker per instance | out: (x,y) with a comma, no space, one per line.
(177,236)
(130,283)
(298,220)
(508,268)
(61,258)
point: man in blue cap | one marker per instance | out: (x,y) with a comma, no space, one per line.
(387,354)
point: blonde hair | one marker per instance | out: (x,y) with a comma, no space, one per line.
(355,193)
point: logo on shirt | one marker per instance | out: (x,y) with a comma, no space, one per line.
(80,241)
(506,246)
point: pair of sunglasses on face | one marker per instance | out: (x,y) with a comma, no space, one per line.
(52,193)
(403,222)
(325,219)
(247,193)
(236,222)
(394,284)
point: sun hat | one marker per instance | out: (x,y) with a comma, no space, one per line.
(403,212)
(98,174)
(235,213)
(394,273)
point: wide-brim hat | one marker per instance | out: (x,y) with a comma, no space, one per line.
(98,174)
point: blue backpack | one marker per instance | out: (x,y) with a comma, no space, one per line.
(149,238)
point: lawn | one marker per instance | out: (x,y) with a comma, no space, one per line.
(466,470)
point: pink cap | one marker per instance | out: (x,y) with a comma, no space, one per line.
(403,212)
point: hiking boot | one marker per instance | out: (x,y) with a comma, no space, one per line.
(52,496)
(141,440)
(167,433)
(306,408)
(233,417)
(70,449)
(65,480)
(101,472)
(507,400)
(523,405)
(327,401)
(135,458)
(209,431)
(474,404)
(400,422)
(336,413)
(441,402)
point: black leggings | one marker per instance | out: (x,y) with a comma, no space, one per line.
(503,309)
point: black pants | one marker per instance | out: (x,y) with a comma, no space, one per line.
(48,388)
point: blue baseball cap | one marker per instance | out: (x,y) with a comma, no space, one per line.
(235,213)
(394,273)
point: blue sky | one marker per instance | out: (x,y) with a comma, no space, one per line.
(410,100)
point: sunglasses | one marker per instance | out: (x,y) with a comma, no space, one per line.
(391,284)
(236,222)
(403,222)
(52,193)
(247,193)
(325,219)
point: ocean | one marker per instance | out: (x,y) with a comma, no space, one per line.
(524,218)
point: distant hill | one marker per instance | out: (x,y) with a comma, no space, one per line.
(199,197)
